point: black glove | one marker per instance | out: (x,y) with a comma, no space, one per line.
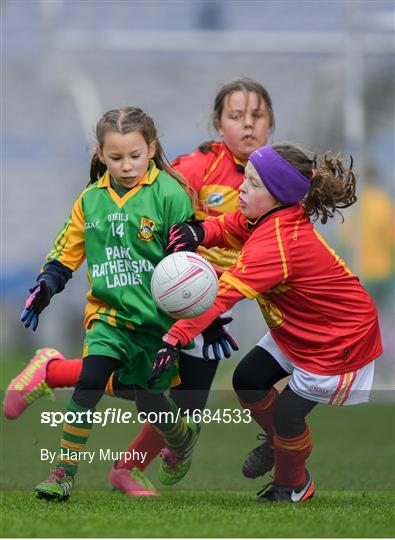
(165,358)
(218,338)
(35,303)
(184,237)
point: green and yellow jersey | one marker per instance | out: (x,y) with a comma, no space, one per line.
(122,239)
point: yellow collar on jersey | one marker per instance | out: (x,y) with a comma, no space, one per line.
(239,161)
(149,177)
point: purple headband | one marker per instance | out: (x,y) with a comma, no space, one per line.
(286,184)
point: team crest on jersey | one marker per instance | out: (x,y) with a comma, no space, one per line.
(214,199)
(147,226)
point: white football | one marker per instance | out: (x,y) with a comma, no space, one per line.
(184,285)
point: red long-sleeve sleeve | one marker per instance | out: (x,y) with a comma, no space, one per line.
(186,329)
(229,230)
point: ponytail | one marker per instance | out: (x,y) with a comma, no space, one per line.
(332,188)
(206,147)
(98,168)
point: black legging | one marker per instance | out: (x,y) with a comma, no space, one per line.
(255,375)
(96,371)
(196,379)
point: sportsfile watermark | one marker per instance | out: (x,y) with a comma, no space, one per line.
(112,415)
(102,454)
(227,436)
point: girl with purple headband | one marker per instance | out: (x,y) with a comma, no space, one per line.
(323,325)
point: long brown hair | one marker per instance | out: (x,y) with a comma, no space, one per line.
(126,120)
(332,183)
(243,84)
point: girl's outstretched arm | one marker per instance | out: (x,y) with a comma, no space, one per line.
(227,231)
(67,255)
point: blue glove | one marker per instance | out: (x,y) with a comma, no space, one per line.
(218,338)
(165,358)
(35,303)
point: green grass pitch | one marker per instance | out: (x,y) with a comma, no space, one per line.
(352,465)
(192,514)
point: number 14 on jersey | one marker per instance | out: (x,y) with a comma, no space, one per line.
(117,230)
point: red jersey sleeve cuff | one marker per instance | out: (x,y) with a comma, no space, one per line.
(186,329)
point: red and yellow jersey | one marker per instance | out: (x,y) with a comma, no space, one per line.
(315,307)
(216,177)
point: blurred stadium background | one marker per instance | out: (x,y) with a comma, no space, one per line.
(328,65)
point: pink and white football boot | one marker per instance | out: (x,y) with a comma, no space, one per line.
(133,482)
(30,384)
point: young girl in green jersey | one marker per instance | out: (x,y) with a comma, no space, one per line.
(243,117)
(119,224)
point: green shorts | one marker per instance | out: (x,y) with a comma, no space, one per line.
(135,350)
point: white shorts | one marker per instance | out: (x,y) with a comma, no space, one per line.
(345,389)
(196,350)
